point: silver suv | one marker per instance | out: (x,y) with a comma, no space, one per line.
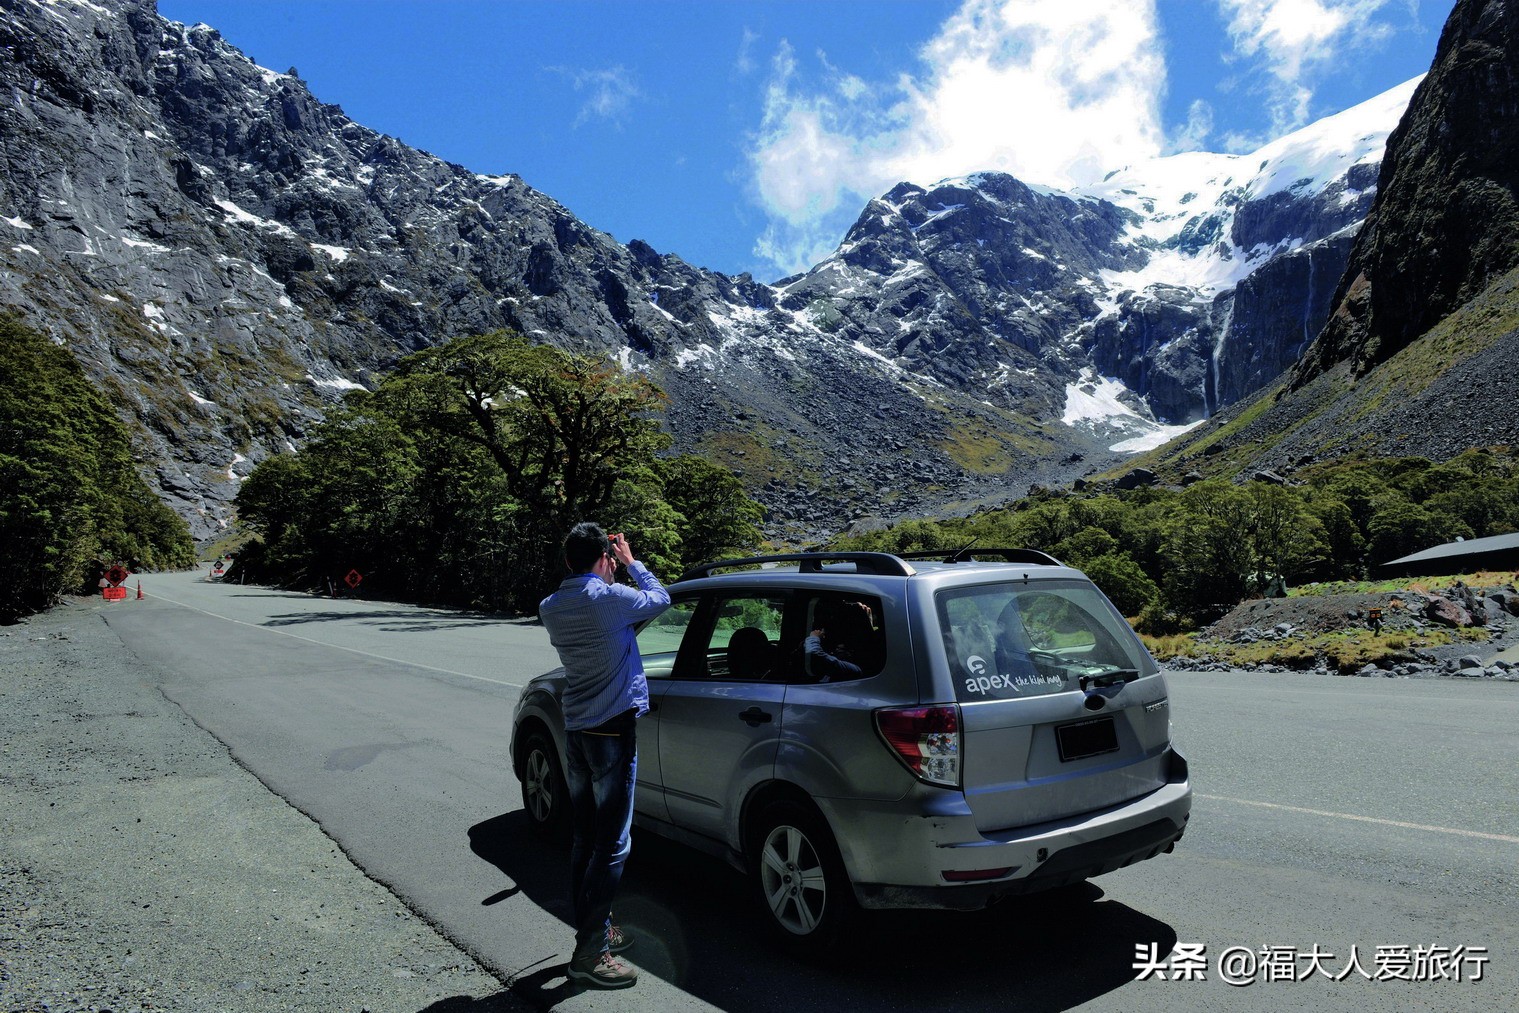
(884,731)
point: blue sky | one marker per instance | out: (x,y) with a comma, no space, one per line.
(746,135)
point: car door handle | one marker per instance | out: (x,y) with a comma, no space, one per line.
(753,717)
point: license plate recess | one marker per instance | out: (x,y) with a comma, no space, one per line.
(1082,739)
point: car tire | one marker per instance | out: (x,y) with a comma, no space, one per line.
(799,879)
(545,793)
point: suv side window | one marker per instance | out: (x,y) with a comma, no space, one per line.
(659,640)
(742,642)
(843,637)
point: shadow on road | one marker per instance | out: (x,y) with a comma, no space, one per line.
(400,621)
(697,927)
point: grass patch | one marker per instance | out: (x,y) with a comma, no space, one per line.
(1479,580)
(1344,651)
(983,446)
(753,452)
(977,451)
(1468,330)
(233,541)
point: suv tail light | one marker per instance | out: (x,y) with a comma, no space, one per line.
(927,739)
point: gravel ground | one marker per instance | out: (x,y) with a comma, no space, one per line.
(1314,613)
(142,869)
(1402,611)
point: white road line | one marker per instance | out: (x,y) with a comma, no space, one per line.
(335,647)
(1364,819)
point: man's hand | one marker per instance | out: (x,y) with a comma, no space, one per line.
(620,550)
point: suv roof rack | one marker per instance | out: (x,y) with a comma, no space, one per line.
(882,564)
(968,554)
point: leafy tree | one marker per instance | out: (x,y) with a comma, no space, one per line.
(1345,547)
(1202,544)
(1285,536)
(1128,587)
(561,427)
(1207,553)
(563,430)
(720,520)
(1482,505)
(1044,525)
(456,479)
(1400,528)
(273,503)
(69,493)
(914,535)
(1084,546)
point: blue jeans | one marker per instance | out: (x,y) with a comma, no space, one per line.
(603,767)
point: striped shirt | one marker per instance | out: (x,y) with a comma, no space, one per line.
(590,623)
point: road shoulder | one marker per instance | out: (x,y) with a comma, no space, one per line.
(142,868)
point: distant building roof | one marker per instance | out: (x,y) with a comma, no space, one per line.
(1469,547)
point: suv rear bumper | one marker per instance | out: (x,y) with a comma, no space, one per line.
(897,860)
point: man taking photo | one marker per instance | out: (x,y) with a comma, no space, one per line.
(590,621)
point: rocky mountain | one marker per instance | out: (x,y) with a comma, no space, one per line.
(1447,223)
(1191,280)
(228,255)
(1418,356)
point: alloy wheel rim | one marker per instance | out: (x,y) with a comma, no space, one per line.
(539,797)
(791,876)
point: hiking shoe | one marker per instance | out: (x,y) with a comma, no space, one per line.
(618,939)
(602,970)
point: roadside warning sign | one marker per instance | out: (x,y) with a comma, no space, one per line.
(353,578)
(113,593)
(116,574)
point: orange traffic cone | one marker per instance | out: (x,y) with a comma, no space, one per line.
(139,590)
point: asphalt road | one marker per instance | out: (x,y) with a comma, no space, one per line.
(1333,816)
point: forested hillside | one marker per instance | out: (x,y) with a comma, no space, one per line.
(70,497)
(1177,557)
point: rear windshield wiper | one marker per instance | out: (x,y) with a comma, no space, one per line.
(1106,679)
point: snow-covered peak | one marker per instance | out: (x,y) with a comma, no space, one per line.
(1168,192)
(1320,153)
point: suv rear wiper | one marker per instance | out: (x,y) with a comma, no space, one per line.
(1106,679)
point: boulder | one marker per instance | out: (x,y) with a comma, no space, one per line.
(1504,600)
(1136,478)
(1447,613)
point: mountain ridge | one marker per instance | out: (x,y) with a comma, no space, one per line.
(227,255)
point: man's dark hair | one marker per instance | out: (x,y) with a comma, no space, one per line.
(584,546)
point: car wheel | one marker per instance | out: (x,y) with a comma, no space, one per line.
(545,794)
(800,878)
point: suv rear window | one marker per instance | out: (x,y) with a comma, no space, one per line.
(1015,640)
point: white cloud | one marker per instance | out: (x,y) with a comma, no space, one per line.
(1193,136)
(610,92)
(1294,39)
(1056,92)
(744,64)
